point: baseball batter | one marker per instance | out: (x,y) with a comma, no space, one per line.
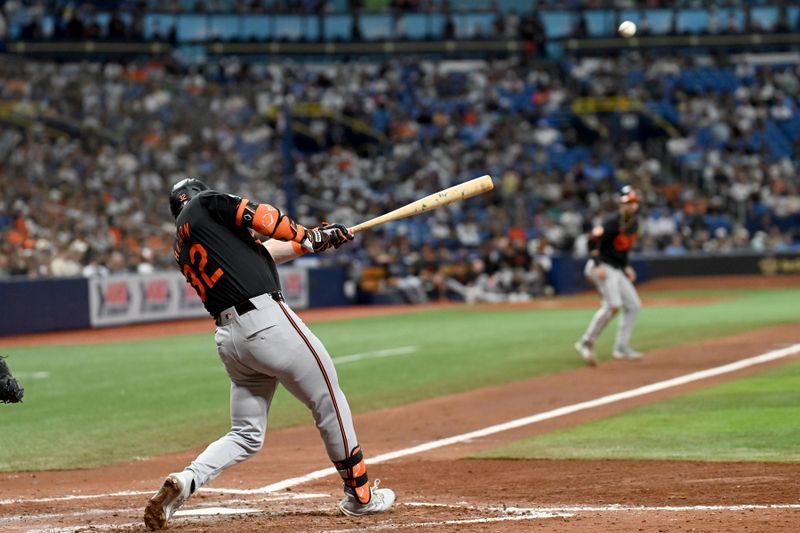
(260,340)
(609,270)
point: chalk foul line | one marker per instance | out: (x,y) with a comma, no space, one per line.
(375,354)
(508,514)
(518,514)
(548,415)
(491,430)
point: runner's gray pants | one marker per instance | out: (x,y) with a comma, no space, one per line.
(617,292)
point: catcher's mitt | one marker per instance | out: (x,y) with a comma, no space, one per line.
(10,390)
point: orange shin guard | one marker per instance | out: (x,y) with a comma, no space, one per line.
(354,474)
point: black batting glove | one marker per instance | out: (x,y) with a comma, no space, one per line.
(338,233)
(316,240)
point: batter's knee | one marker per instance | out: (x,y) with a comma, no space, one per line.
(250,441)
(613,309)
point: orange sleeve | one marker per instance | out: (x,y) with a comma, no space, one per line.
(299,249)
(240,210)
(269,221)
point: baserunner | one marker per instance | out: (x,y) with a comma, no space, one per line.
(610,271)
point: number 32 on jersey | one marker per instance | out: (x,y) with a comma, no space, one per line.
(195,273)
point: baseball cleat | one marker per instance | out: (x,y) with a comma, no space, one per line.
(380,500)
(627,353)
(586,353)
(166,501)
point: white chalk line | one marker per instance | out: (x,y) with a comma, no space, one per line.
(459,522)
(41,374)
(498,428)
(614,507)
(74,497)
(511,514)
(388,352)
(201,509)
(94,527)
(635,508)
(45,516)
(555,413)
(273,498)
(538,513)
(212,511)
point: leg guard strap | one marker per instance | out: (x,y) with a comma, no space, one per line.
(351,461)
(353,471)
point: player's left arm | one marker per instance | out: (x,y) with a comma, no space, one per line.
(284,251)
(269,221)
(281,251)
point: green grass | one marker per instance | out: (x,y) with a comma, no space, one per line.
(112,402)
(750,419)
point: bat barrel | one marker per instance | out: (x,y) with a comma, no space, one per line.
(462,191)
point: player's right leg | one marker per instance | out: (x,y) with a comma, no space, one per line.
(249,407)
(631,304)
(250,397)
(610,303)
(173,492)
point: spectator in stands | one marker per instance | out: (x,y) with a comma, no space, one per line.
(124,138)
(643,28)
(580,31)
(3,27)
(116,30)
(74,28)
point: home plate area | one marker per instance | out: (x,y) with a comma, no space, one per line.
(317,512)
(295,512)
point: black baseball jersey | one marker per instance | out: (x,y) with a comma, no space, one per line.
(222,260)
(615,241)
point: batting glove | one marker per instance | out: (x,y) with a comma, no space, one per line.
(338,233)
(316,240)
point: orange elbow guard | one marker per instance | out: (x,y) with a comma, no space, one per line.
(268,220)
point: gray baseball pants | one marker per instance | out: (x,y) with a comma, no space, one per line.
(617,292)
(264,347)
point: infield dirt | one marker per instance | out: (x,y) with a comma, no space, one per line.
(445,490)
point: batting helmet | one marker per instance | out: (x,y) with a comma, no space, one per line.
(182,192)
(628,195)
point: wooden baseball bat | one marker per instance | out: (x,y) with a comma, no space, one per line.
(462,191)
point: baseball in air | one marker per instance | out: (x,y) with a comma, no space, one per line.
(627,29)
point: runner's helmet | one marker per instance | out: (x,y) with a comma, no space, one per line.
(628,195)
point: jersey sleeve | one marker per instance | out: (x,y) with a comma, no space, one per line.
(599,235)
(221,207)
(236,212)
(596,236)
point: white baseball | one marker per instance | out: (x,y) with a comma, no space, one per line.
(627,29)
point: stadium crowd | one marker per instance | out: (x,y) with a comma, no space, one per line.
(126,20)
(88,152)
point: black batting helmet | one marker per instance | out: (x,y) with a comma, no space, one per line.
(182,192)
